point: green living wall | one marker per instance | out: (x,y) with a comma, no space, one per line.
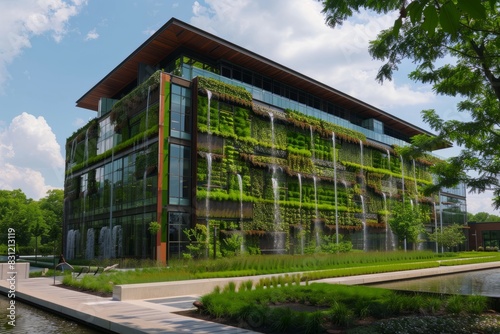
(285,161)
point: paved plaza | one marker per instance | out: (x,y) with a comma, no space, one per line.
(158,315)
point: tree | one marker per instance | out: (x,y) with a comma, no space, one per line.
(407,222)
(482,217)
(37,229)
(466,31)
(198,241)
(449,237)
(52,208)
(18,212)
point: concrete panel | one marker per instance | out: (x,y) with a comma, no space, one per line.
(21,270)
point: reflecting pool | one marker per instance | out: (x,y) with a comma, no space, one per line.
(483,282)
(30,320)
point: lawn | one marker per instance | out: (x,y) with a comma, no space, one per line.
(306,267)
(290,301)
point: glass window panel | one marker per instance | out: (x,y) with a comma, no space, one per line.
(180,175)
(176,89)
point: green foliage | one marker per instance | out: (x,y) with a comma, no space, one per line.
(231,246)
(154,227)
(482,217)
(407,221)
(318,266)
(52,210)
(275,307)
(300,163)
(19,213)
(449,237)
(340,314)
(128,105)
(304,138)
(326,129)
(241,122)
(225,91)
(425,32)
(37,224)
(198,237)
(329,244)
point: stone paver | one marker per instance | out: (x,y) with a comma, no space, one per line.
(124,317)
(157,315)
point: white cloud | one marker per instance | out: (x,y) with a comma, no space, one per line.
(91,35)
(294,33)
(30,181)
(30,156)
(23,19)
(481,203)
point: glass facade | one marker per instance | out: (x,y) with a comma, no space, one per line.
(452,210)
(180,113)
(106,134)
(180,170)
(180,175)
(266,90)
(491,238)
(178,222)
(111,183)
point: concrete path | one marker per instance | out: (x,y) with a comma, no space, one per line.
(124,317)
(156,315)
(408,274)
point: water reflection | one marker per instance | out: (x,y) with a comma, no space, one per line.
(483,282)
(33,320)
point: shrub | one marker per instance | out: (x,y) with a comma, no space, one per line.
(281,319)
(455,304)
(313,323)
(341,315)
(476,304)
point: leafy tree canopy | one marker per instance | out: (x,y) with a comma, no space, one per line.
(17,212)
(466,34)
(31,218)
(449,237)
(52,208)
(482,217)
(407,222)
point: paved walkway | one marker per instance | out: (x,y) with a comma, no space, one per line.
(156,315)
(124,317)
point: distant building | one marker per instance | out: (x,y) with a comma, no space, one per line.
(484,235)
(199,134)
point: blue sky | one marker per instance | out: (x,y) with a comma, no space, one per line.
(54,51)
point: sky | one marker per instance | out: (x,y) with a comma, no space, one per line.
(53,51)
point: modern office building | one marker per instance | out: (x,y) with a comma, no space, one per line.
(484,236)
(221,146)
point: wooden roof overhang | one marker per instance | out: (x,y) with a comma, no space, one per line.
(176,34)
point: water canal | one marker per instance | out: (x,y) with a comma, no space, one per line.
(482,282)
(31,320)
